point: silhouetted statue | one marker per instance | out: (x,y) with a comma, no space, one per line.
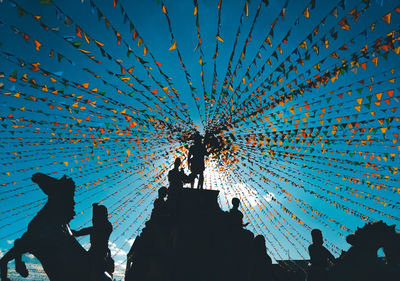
(49,237)
(361,261)
(177,177)
(236,216)
(99,253)
(319,257)
(197,152)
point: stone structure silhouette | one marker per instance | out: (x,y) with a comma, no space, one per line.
(197,242)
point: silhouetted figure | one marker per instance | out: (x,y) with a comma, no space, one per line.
(238,244)
(197,152)
(49,237)
(177,177)
(160,209)
(261,263)
(99,253)
(319,257)
(236,216)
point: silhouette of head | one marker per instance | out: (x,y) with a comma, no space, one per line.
(100,214)
(259,247)
(316,235)
(177,163)
(162,192)
(52,186)
(60,194)
(235,202)
(197,138)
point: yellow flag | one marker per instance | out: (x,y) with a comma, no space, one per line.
(386,18)
(173,47)
(306,13)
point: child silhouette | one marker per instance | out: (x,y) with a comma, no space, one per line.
(99,253)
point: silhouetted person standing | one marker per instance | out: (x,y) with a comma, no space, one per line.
(319,257)
(236,216)
(260,268)
(177,177)
(100,255)
(196,160)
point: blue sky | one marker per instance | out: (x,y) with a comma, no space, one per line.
(119,155)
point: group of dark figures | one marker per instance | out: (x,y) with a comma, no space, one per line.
(157,256)
(217,247)
(241,256)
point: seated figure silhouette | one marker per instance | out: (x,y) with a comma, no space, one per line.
(236,216)
(197,152)
(99,253)
(49,237)
(319,257)
(177,177)
(160,209)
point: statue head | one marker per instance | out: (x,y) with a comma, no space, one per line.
(100,214)
(60,192)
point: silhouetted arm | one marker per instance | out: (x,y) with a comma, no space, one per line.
(329,255)
(82,232)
